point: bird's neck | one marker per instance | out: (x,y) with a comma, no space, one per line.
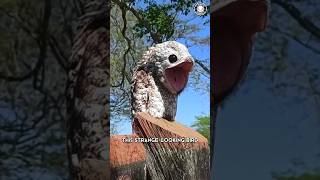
(169,101)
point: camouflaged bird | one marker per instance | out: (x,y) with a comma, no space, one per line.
(159,77)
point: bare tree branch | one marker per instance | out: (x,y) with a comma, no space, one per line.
(123,32)
(203,66)
(122,5)
(297,15)
(315,50)
(57,52)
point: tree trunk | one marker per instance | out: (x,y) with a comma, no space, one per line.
(88,95)
(127,158)
(166,159)
(154,159)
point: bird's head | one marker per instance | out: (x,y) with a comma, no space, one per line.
(171,63)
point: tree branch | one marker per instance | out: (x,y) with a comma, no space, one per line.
(41,39)
(124,6)
(123,32)
(315,50)
(203,66)
(58,53)
(297,15)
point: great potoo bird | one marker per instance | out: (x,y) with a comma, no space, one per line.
(160,76)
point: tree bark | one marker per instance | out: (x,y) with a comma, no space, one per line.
(187,159)
(88,95)
(127,158)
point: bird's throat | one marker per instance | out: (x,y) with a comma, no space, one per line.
(177,78)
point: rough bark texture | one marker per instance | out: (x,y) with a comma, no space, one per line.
(172,160)
(88,95)
(127,160)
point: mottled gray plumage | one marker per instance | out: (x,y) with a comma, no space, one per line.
(159,77)
(88,95)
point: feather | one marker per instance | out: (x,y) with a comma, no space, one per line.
(158,81)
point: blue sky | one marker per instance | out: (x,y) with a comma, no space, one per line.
(191,102)
(257,132)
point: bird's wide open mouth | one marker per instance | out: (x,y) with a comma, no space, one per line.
(177,76)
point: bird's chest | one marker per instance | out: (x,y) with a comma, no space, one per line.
(152,97)
(155,100)
(162,101)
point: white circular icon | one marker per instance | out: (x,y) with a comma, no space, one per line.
(200,8)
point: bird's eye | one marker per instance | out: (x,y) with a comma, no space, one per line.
(173,58)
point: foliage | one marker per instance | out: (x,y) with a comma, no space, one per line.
(286,60)
(159,19)
(135,25)
(202,125)
(276,61)
(121,64)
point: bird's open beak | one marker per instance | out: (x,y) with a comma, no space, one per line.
(177,75)
(234,26)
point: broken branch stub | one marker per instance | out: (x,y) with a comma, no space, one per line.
(173,151)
